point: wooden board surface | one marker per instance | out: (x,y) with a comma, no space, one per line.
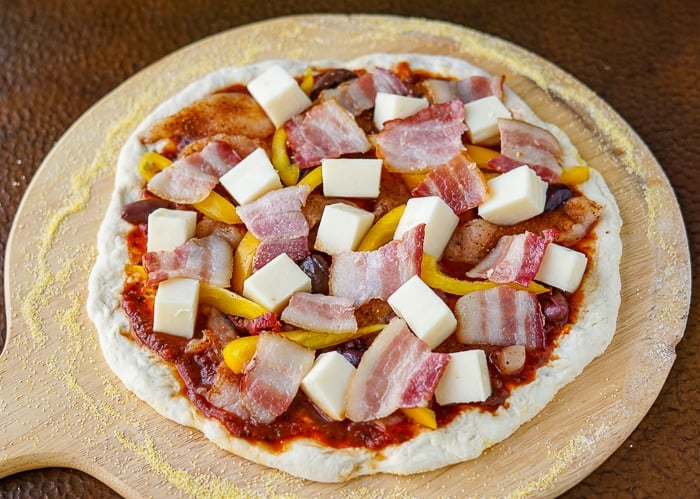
(61,405)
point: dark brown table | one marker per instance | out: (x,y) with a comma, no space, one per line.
(57,58)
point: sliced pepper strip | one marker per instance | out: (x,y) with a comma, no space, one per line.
(243,261)
(151,163)
(422,415)
(218,208)
(239,351)
(307,83)
(433,277)
(481,155)
(574,175)
(288,172)
(383,230)
(229,302)
(413,179)
(313,179)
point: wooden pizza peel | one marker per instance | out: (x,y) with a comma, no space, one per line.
(62,406)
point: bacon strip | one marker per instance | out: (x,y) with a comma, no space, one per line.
(209,259)
(327,130)
(319,312)
(271,382)
(459,183)
(514,259)
(363,275)
(523,143)
(475,87)
(277,221)
(500,316)
(190,179)
(358,94)
(398,370)
(423,141)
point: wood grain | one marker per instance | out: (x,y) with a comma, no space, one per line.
(62,406)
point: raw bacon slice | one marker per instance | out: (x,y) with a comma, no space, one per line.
(318,312)
(398,370)
(358,94)
(277,221)
(514,259)
(190,179)
(225,392)
(272,379)
(327,130)
(523,143)
(459,183)
(475,87)
(421,142)
(363,275)
(500,316)
(209,259)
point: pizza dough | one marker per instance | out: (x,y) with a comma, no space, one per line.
(156,382)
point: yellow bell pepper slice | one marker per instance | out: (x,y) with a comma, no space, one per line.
(151,163)
(307,83)
(413,179)
(313,179)
(574,175)
(229,302)
(436,279)
(217,207)
(422,415)
(383,230)
(238,352)
(481,155)
(289,173)
(243,261)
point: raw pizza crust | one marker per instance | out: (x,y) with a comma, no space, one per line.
(156,382)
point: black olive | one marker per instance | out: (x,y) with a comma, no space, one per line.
(137,212)
(316,267)
(556,195)
(330,79)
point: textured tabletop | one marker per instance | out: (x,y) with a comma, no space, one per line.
(58,58)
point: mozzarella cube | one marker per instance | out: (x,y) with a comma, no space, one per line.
(351,177)
(481,117)
(465,379)
(424,311)
(251,178)
(341,228)
(175,307)
(439,218)
(391,106)
(278,94)
(168,229)
(327,383)
(515,196)
(272,285)
(562,267)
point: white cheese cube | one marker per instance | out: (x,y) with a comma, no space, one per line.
(327,383)
(175,307)
(251,178)
(272,285)
(424,311)
(481,117)
(341,228)
(562,267)
(278,94)
(391,106)
(351,177)
(515,196)
(168,229)
(439,218)
(465,379)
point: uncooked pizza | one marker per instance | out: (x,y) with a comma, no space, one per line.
(339,268)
